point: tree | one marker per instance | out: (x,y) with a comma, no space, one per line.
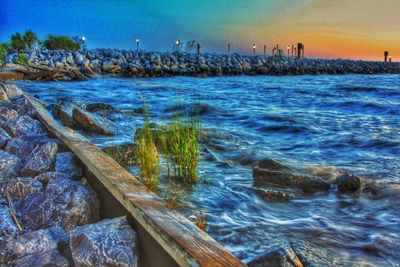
(17,41)
(30,39)
(3,54)
(60,43)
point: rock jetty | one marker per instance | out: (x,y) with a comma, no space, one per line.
(49,214)
(79,65)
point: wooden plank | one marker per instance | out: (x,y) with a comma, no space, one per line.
(183,241)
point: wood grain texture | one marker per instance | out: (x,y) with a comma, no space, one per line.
(183,241)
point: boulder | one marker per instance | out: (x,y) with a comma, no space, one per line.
(46,177)
(20,148)
(22,186)
(4,138)
(64,113)
(12,91)
(285,179)
(92,123)
(278,257)
(64,202)
(41,139)
(7,114)
(51,258)
(3,97)
(272,165)
(24,107)
(23,125)
(7,225)
(92,107)
(110,242)
(349,183)
(68,164)
(39,241)
(40,160)
(9,166)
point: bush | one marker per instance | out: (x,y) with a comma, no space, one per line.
(17,41)
(22,59)
(3,54)
(30,39)
(60,43)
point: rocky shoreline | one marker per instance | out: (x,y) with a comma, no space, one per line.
(49,214)
(81,65)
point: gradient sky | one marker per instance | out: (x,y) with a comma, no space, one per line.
(358,29)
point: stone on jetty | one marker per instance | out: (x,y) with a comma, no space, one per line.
(64,113)
(7,114)
(277,194)
(64,203)
(280,257)
(349,183)
(7,225)
(12,91)
(4,138)
(110,242)
(23,125)
(40,160)
(68,164)
(46,177)
(51,258)
(23,186)
(92,123)
(3,97)
(20,148)
(9,166)
(24,107)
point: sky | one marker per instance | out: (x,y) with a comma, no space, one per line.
(356,29)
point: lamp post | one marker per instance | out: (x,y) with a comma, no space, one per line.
(265,50)
(137,44)
(254,49)
(83,39)
(288,50)
(390,58)
(229,49)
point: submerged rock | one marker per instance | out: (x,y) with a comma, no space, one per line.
(40,160)
(277,195)
(92,123)
(64,202)
(110,242)
(349,183)
(23,125)
(280,257)
(92,107)
(69,165)
(23,186)
(9,166)
(51,258)
(272,165)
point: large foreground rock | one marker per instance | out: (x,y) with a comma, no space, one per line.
(23,125)
(68,164)
(40,160)
(64,203)
(280,257)
(92,122)
(51,258)
(9,166)
(111,242)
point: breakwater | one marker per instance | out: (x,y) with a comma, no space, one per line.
(78,65)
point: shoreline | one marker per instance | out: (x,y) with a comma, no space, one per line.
(62,65)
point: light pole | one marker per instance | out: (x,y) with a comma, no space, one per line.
(229,49)
(137,44)
(254,49)
(83,39)
(390,58)
(265,50)
(288,50)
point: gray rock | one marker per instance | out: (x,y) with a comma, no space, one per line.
(7,225)
(64,202)
(111,242)
(12,91)
(46,177)
(93,123)
(22,149)
(4,138)
(40,160)
(9,166)
(22,186)
(39,241)
(280,257)
(51,258)
(349,183)
(23,125)
(68,164)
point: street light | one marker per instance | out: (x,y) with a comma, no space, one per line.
(288,50)
(137,44)
(254,49)
(229,49)
(265,50)
(83,39)
(390,58)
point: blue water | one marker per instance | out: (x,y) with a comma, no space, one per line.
(349,122)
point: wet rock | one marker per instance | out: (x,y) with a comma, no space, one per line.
(23,125)
(39,241)
(349,183)
(277,194)
(92,123)
(305,183)
(22,149)
(93,107)
(40,160)
(272,165)
(4,138)
(12,91)
(9,166)
(22,186)
(110,242)
(68,164)
(64,203)
(51,258)
(280,257)
(7,225)
(327,173)
(46,177)
(64,113)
